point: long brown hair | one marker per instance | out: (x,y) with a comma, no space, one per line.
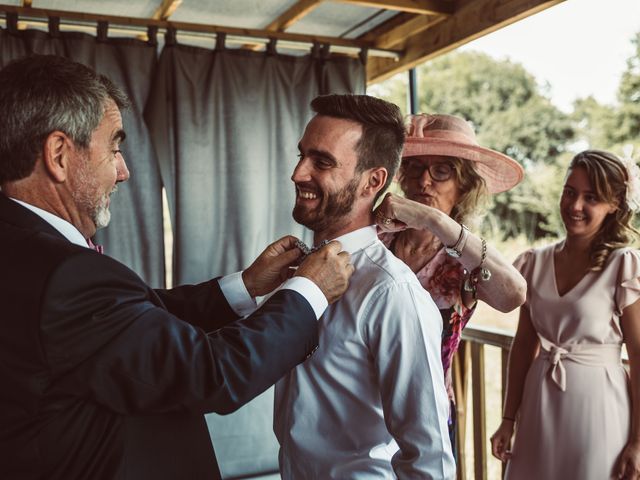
(609,178)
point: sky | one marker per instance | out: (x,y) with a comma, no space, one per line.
(579,47)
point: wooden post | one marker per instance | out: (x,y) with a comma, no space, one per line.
(460,366)
(505,363)
(479,421)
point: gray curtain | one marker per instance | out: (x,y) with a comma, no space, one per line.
(135,233)
(227,125)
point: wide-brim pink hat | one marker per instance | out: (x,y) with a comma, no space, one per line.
(453,137)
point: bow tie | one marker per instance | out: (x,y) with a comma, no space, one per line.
(93,246)
(306,250)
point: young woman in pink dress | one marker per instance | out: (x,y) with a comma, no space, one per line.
(568,394)
(444,175)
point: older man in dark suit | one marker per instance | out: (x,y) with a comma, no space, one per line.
(103,377)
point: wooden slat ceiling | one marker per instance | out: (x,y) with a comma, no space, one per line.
(397,34)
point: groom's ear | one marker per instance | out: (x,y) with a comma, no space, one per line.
(375,181)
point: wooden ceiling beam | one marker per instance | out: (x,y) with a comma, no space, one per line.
(387,26)
(397,36)
(303,7)
(470,21)
(423,7)
(166,9)
(291,16)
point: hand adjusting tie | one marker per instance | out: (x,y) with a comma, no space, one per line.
(306,250)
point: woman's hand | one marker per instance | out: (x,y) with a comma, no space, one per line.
(397,213)
(415,124)
(628,466)
(501,441)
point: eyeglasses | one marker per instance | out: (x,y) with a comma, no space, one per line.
(440,172)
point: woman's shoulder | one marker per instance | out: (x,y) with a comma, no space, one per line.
(534,254)
(628,257)
(625,252)
(623,269)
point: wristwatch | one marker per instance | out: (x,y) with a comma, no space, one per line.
(455,251)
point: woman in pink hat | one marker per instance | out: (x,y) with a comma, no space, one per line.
(445,175)
(568,393)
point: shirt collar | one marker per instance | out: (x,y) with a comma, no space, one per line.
(358,239)
(66,229)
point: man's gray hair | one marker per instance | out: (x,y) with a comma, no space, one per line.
(41,94)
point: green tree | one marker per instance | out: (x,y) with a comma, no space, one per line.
(532,133)
(628,128)
(473,85)
(394,89)
(502,100)
(614,127)
(595,123)
(530,209)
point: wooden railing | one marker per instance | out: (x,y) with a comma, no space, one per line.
(470,360)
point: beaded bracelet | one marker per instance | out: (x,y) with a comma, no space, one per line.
(485,273)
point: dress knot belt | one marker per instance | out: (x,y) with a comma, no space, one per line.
(591,354)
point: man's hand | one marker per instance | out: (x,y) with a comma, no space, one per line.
(329,269)
(271,267)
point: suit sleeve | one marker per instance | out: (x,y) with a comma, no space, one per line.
(403,331)
(203,305)
(107,341)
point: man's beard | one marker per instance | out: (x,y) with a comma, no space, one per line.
(338,205)
(85,198)
(101,215)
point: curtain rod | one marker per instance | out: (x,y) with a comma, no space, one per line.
(245,35)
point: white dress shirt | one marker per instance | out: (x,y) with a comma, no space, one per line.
(371,402)
(66,229)
(232,286)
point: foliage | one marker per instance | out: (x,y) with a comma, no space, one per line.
(629,98)
(531,208)
(614,127)
(473,85)
(595,123)
(536,132)
(395,90)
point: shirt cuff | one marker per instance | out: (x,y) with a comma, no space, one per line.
(236,293)
(310,291)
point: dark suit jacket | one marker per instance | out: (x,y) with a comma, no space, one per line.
(102,377)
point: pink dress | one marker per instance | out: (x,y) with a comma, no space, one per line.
(574,418)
